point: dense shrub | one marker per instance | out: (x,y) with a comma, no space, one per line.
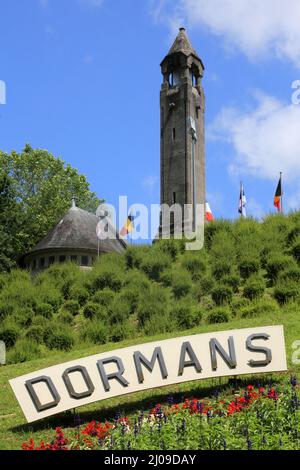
(66,318)
(218,315)
(154,266)
(80,294)
(181,284)
(222,295)
(134,256)
(254,287)
(203,287)
(287,292)
(249,265)
(24,350)
(6,309)
(222,269)
(45,310)
(237,304)
(264,308)
(93,310)
(196,263)
(58,338)
(232,281)
(9,335)
(153,303)
(130,296)
(23,317)
(72,306)
(107,278)
(119,311)
(121,331)
(103,297)
(288,275)
(96,332)
(276,264)
(296,249)
(186,315)
(171,247)
(159,324)
(35,333)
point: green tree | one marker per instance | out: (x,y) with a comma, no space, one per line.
(41,190)
(7,221)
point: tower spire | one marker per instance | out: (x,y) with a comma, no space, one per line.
(182,44)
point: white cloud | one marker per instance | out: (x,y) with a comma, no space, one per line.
(256,27)
(150,182)
(265,140)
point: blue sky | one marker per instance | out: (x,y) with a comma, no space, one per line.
(83,81)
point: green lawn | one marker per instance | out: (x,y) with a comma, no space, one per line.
(13,430)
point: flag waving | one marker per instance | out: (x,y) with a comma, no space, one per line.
(278,195)
(128,226)
(208,213)
(242,202)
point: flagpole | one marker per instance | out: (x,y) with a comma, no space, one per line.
(241,199)
(281,193)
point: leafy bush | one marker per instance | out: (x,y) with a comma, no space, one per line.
(276,264)
(152,303)
(249,265)
(154,266)
(218,315)
(119,311)
(58,338)
(291,274)
(196,264)
(263,308)
(107,278)
(45,310)
(221,269)
(237,304)
(80,294)
(204,287)
(35,333)
(103,297)
(296,249)
(254,287)
(24,350)
(121,331)
(186,315)
(181,284)
(93,310)
(171,247)
(130,296)
(72,306)
(222,295)
(9,335)
(287,292)
(158,324)
(232,281)
(96,332)
(66,318)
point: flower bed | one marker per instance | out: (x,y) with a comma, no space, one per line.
(255,418)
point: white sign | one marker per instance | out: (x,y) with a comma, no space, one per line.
(122,371)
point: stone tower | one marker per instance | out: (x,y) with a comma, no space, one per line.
(182,107)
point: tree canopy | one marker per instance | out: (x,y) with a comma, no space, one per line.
(36,189)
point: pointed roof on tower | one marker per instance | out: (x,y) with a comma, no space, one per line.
(182,44)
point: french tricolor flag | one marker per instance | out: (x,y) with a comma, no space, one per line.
(208,213)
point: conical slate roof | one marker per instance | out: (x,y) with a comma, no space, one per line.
(182,44)
(77,231)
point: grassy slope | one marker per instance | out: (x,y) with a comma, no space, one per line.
(13,431)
